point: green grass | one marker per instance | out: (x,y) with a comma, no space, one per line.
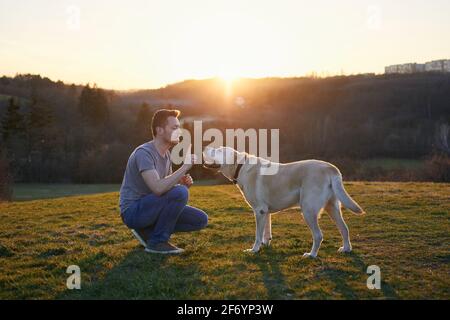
(406,232)
(33,191)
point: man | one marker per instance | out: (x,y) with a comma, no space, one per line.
(153,199)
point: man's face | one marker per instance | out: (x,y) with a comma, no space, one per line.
(171,132)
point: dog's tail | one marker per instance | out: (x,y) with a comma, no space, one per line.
(343,196)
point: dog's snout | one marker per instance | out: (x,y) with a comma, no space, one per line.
(209,152)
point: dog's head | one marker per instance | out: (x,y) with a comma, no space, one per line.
(222,159)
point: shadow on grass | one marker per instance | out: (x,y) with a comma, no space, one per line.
(138,275)
(341,279)
(146,276)
(388,291)
(268,260)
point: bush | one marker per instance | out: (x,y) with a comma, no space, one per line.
(438,168)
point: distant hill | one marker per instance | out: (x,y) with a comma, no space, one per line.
(342,117)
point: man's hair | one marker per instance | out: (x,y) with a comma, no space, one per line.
(159,118)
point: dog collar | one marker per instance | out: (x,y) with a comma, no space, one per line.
(236,173)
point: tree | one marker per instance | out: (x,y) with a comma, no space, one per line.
(142,126)
(93,105)
(13,133)
(5,178)
(13,122)
(40,120)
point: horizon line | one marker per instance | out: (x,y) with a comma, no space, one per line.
(312,74)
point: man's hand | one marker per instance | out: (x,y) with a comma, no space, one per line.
(189,160)
(187,180)
(161,185)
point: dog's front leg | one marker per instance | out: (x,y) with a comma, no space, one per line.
(268,231)
(259,233)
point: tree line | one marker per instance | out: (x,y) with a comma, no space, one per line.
(55,132)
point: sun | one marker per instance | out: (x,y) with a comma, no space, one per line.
(227,75)
(227,46)
(228,79)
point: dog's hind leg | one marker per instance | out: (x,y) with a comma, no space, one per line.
(311,217)
(333,208)
(312,202)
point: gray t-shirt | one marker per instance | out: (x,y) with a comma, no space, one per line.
(144,157)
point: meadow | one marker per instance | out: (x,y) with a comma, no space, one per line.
(406,232)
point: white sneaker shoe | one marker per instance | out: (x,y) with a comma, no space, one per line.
(164,248)
(140,238)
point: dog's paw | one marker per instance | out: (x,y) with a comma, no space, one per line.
(309,255)
(251,250)
(266,242)
(344,250)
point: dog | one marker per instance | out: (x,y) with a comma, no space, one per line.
(312,185)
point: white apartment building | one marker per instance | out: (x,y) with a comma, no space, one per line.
(436,65)
(447,65)
(431,66)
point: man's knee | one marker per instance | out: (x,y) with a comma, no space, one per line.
(203,220)
(179,193)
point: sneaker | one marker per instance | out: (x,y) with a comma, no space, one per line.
(164,248)
(140,236)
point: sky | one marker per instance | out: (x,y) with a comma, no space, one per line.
(138,44)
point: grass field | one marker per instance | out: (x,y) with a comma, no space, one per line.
(406,232)
(33,191)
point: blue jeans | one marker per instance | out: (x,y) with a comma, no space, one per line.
(160,216)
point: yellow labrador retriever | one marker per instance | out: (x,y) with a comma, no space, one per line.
(312,185)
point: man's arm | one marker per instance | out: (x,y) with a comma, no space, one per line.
(159,186)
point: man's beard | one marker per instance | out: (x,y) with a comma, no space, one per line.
(173,143)
(174,138)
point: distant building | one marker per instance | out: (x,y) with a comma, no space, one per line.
(447,65)
(431,66)
(391,69)
(420,67)
(407,68)
(436,65)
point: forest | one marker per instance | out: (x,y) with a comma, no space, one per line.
(57,132)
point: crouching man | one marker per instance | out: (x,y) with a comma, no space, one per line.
(153,199)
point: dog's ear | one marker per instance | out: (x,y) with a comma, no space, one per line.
(244,157)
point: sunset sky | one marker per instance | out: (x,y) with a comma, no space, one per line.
(148,44)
